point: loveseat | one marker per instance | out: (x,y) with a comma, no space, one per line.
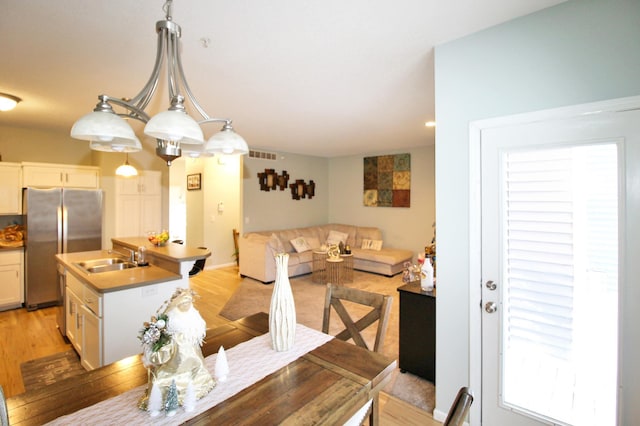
(257,250)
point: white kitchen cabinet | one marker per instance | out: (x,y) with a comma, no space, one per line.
(10,188)
(91,357)
(45,175)
(11,279)
(73,314)
(83,308)
(138,204)
(103,327)
(91,311)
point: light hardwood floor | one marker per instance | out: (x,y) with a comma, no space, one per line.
(29,335)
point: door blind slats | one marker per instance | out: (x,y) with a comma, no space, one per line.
(559,233)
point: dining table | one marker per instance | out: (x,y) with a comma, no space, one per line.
(327,385)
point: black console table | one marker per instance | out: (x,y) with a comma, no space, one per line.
(417,331)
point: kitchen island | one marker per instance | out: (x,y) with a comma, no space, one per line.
(104,311)
(174,257)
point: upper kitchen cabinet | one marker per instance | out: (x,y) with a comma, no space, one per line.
(149,182)
(10,188)
(45,175)
(138,204)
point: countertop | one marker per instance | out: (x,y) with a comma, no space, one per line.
(170,251)
(414,287)
(5,248)
(105,282)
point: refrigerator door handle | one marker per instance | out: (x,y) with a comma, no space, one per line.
(65,229)
(61,230)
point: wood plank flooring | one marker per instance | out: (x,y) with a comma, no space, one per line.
(29,335)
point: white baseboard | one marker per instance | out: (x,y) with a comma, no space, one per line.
(441,416)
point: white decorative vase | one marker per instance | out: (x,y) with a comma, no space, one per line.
(282,311)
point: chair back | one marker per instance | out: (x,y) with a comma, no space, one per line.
(4,413)
(380,303)
(459,408)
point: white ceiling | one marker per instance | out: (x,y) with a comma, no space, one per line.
(326,78)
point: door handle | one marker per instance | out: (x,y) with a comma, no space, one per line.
(490,307)
(490,285)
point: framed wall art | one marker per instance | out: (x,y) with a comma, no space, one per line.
(387,181)
(194,181)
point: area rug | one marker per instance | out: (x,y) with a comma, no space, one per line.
(253,296)
(50,369)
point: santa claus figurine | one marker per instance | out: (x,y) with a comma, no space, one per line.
(172,349)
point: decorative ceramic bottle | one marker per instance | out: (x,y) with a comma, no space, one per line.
(282,311)
(426,282)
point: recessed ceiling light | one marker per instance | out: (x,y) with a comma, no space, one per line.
(430,124)
(8,102)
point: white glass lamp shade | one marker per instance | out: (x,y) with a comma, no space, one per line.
(117,145)
(102,126)
(195,150)
(174,125)
(126,170)
(8,102)
(227,142)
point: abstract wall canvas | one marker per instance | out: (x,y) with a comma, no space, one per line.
(387,181)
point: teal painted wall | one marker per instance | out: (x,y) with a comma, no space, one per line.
(576,52)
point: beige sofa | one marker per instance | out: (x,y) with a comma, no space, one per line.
(257,250)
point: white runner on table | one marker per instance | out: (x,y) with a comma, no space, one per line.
(249,362)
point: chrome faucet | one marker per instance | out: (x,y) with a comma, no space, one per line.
(131,254)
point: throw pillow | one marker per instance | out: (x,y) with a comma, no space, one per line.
(313,242)
(336,237)
(371,244)
(276,244)
(300,244)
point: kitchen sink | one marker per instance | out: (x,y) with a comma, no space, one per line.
(105,265)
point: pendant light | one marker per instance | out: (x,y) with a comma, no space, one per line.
(8,102)
(126,169)
(108,131)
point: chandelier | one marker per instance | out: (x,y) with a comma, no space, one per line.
(174,130)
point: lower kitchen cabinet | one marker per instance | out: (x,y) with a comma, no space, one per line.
(92,337)
(72,303)
(84,322)
(73,311)
(103,327)
(11,279)
(417,346)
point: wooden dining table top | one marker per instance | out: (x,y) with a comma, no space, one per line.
(328,385)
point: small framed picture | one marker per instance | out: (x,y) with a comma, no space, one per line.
(193,181)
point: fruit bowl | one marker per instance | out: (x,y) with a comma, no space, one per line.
(158,238)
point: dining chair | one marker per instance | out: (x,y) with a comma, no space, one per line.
(459,409)
(4,413)
(381,304)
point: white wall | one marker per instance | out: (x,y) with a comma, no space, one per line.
(576,52)
(19,145)
(410,227)
(262,210)
(339,187)
(207,226)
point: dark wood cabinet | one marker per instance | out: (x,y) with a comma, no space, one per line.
(417,331)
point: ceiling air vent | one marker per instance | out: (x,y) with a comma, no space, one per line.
(262,155)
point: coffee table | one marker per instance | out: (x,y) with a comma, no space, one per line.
(335,271)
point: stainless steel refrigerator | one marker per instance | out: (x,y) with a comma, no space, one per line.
(57,220)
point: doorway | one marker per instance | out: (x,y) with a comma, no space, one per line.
(555,199)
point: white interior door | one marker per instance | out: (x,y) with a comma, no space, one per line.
(556,200)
